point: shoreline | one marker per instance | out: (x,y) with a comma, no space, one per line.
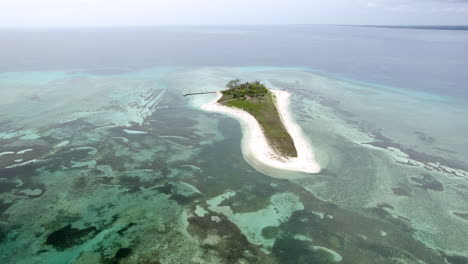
(255,144)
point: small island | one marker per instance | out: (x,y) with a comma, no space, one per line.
(257,100)
(270,136)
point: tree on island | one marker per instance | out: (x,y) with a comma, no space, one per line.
(232,84)
(245,90)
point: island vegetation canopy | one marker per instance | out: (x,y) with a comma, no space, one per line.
(244,90)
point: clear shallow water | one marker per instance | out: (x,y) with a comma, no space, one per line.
(100,168)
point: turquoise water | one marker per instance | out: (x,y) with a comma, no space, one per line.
(121,168)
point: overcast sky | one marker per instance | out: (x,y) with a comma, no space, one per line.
(65,13)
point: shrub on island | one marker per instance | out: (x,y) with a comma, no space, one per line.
(245,90)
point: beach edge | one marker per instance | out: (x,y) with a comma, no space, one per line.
(255,144)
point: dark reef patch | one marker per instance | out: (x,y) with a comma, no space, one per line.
(3,207)
(25,176)
(385,205)
(445,150)
(328,102)
(270,232)
(133,184)
(383,214)
(7,185)
(428,182)
(68,236)
(425,138)
(455,259)
(80,184)
(334,104)
(74,155)
(181,199)
(177,193)
(402,190)
(166,189)
(311,225)
(124,229)
(233,247)
(75,125)
(461,215)
(104,180)
(382,250)
(293,251)
(120,254)
(250,200)
(384,142)
(3,233)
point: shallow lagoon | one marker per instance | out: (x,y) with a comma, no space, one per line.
(123,168)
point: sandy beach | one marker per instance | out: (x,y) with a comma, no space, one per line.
(255,144)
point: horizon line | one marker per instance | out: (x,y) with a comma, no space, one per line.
(223,25)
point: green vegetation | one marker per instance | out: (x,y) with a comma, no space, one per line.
(245,90)
(257,100)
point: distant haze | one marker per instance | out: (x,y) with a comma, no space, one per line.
(78,13)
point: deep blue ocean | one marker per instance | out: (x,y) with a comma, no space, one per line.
(426,60)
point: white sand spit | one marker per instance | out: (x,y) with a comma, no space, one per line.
(24,151)
(255,145)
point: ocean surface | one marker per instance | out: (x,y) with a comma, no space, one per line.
(103,160)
